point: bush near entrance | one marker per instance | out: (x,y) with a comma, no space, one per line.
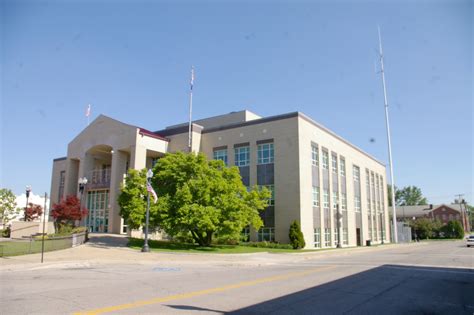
(66,212)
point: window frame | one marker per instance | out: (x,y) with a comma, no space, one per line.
(264,147)
(325,159)
(224,157)
(315,196)
(314,154)
(237,154)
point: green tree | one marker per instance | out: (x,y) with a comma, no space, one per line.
(296,236)
(412,196)
(453,229)
(133,200)
(407,196)
(8,209)
(397,195)
(196,197)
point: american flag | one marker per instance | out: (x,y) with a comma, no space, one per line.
(192,77)
(88,110)
(152,191)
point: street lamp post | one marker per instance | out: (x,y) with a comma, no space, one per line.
(145,247)
(28,190)
(82,186)
(339,217)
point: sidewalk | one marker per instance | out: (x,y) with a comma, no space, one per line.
(112,249)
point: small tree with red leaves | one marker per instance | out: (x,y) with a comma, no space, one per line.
(68,211)
(33,212)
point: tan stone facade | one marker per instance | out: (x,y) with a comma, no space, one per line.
(317,177)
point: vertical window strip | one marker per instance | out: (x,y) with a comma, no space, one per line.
(317,237)
(325,160)
(342,167)
(326,199)
(315,155)
(315,196)
(334,163)
(327,237)
(357,203)
(335,200)
(356,173)
(343,202)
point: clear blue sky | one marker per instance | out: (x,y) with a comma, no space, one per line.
(131,61)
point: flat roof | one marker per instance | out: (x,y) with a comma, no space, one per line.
(183,129)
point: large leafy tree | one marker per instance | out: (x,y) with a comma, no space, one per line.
(195,196)
(133,200)
(407,196)
(8,208)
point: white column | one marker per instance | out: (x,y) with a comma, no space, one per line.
(119,161)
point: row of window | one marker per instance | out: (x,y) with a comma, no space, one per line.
(325,160)
(265,154)
(327,237)
(335,200)
(375,194)
(268,234)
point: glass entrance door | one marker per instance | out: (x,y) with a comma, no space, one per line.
(98,216)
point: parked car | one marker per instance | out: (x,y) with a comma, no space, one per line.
(470,240)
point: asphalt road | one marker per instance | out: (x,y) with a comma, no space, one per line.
(423,278)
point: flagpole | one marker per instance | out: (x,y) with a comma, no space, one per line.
(88,113)
(394,208)
(190,109)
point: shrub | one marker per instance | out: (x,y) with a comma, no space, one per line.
(66,212)
(296,236)
(453,229)
(5,232)
(266,244)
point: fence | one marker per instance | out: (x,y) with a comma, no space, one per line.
(33,245)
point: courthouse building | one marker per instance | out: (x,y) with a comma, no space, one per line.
(334,189)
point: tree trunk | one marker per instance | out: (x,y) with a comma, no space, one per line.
(208,238)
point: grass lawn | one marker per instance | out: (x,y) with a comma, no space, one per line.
(165,246)
(15,248)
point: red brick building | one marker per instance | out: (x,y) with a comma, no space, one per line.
(443,213)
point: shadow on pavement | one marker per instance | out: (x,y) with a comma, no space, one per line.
(389,289)
(193,308)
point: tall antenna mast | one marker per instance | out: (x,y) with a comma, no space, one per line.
(394,207)
(190,109)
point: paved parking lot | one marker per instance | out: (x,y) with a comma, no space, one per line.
(424,278)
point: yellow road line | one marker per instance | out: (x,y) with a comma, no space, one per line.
(201,292)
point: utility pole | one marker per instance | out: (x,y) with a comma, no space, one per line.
(394,208)
(459,200)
